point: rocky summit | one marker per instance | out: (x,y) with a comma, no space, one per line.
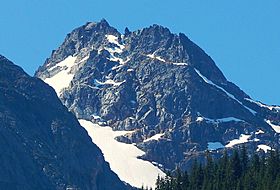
(42,144)
(160,87)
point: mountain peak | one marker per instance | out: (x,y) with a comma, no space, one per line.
(159,27)
(159,85)
(101,23)
(156,29)
(104,21)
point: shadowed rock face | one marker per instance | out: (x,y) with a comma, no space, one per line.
(42,144)
(153,81)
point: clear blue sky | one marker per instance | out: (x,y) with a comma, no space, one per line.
(242,36)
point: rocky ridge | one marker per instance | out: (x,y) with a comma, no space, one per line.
(163,87)
(42,144)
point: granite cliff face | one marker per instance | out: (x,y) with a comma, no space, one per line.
(42,144)
(163,87)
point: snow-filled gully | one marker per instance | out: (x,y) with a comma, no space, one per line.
(123,158)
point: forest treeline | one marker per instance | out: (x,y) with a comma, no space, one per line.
(235,172)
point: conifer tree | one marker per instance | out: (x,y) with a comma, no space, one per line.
(228,173)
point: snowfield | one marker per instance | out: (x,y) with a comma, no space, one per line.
(123,157)
(242,139)
(62,79)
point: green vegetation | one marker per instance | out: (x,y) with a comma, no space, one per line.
(235,172)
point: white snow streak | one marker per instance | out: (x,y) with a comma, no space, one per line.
(84,59)
(155,137)
(221,120)
(123,157)
(277,108)
(153,56)
(113,50)
(180,64)
(109,82)
(117,66)
(259,132)
(230,95)
(275,127)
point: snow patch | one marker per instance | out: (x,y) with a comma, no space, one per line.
(214,145)
(264,147)
(259,132)
(95,116)
(121,61)
(63,78)
(199,119)
(242,139)
(256,140)
(153,56)
(123,158)
(109,82)
(180,64)
(230,95)
(275,127)
(114,40)
(117,67)
(155,137)
(115,50)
